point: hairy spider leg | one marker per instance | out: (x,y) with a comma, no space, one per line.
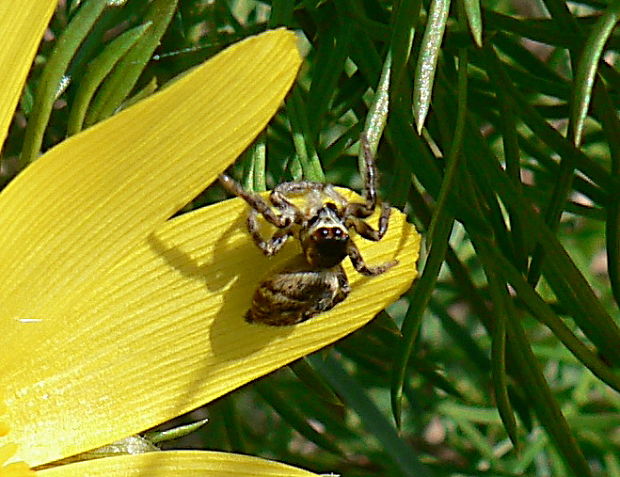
(355,211)
(255,201)
(275,243)
(359,264)
(370,175)
(363,210)
(366,230)
(259,205)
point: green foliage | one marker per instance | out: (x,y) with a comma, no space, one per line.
(504,362)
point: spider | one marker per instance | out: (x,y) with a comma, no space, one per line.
(314,281)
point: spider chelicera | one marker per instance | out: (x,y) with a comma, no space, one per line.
(314,281)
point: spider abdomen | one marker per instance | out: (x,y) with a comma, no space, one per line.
(296,293)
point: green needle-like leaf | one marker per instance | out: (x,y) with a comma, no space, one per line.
(302,137)
(377,114)
(587,67)
(564,277)
(98,69)
(331,56)
(405,23)
(372,419)
(176,433)
(427,61)
(546,315)
(419,301)
(313,380)
(543,401)
(127,71)
(50,80)
(292,415)
(474,19)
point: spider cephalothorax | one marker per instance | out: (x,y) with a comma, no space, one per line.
(314,281)
(325,238)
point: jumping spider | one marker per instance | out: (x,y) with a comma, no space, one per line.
(314,281)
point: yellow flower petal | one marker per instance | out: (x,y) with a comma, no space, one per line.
(74,213)
(21,28)
(163,332)
(178,464)
(78,209)
(16,469)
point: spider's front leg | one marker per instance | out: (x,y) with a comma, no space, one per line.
(366,208)
(275,243)
(370,178)
(366,230)
(359,264)
(255,201)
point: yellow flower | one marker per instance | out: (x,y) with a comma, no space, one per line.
(114,318)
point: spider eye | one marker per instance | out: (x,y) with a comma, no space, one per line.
(337,233)
(323,232)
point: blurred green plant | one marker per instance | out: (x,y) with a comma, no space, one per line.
(502,143)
